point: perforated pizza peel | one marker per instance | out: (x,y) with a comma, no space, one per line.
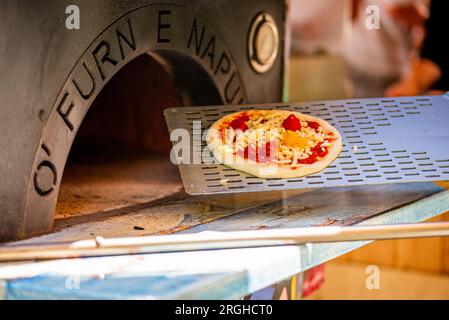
(385,140)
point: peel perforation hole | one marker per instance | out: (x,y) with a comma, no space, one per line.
(367,164)
(313,177)
(409,168)
(210,173)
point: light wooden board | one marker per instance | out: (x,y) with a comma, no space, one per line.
(347,281)
(229,274)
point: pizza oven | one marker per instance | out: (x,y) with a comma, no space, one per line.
(81,109)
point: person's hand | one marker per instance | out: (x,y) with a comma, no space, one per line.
(422,75)
(404,87)
(409,15)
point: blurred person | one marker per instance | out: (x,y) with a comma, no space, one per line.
(377,58)
(316,26)
(429,71)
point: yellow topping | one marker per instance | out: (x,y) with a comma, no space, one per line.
(292,139)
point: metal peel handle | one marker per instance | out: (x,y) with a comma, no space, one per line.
(220,240)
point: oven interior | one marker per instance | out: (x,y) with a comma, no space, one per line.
(120,156)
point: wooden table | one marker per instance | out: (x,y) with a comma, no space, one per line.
(221,274)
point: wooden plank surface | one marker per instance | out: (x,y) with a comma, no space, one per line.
(346,281)
(422,255)
(334,206)
(445,251)
(248,269)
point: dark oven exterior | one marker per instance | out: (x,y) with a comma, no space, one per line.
(51,74)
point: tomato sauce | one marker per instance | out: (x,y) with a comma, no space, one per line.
(292,123)
(240,122)
(316,152)
(314,125)
(263,154)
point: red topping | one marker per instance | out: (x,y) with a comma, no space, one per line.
(292,123)
(309,160)
(240,123)
(313,125)
(316,152)
(245,153)
(262,155)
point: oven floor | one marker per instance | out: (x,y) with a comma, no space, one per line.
(95,186)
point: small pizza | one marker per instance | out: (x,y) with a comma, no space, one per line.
(274,143)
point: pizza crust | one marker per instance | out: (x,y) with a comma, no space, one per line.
(223,152)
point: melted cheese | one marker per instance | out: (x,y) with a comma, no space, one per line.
(266,128)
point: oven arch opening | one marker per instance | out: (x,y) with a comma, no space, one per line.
(120,155)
